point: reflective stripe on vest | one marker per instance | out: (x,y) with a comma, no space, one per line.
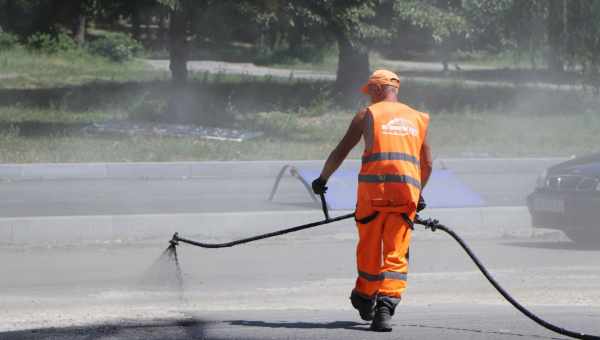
(384,276)
(389,178)
(390,156)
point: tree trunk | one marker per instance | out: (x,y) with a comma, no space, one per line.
(162,28)
(147,20)
(445,64)
(573,26)
(532,50)
(178,47)
(9,8)
(79,29)
(555,29)
(296,37)
(62,16)
(178,109)
(49,22)
(353,68)
(136,21)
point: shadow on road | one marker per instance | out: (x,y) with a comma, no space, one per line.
(148,330)
(303,325)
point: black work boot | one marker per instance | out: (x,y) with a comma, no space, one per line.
(365,306)
(382,321)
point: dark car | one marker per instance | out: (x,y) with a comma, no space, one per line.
(567,198)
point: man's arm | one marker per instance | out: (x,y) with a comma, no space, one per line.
(426,163)
(351,138)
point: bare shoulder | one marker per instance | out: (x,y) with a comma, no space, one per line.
(360,115)
(362,119)
(358,123)
(362,112)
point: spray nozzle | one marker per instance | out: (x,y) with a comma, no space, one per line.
(174,240)
(429,223)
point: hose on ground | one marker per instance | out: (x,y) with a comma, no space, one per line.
(431,224)
(435,225)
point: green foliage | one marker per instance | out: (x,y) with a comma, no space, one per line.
(118,47)
(171,4)
(595,14)
(147,107)
(8,40)
(352,20)
(57,116)
(39,70)
(443,23)
(585,38)
(487,21)
(51,44)
(178,5)
(306,26)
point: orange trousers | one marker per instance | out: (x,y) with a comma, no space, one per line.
(382,255)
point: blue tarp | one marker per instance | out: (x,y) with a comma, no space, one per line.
(444,190)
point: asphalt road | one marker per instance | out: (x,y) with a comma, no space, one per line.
(490,322)
(501,182)
(293,287)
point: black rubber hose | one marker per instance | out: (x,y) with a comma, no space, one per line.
(434,225)
(176,237)
(429,224)
(324,207)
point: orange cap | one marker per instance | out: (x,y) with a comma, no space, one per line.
(382,77)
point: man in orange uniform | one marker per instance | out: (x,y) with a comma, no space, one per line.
(396,165)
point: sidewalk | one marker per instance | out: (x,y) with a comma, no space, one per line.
(221,169)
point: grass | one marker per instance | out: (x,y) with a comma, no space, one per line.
(144,149)
(515,135)
(19,114)
(40,122)
(20,68)
(293,136)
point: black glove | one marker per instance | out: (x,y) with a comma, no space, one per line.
(318,186)
(421,205)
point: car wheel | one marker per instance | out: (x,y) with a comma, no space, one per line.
(587,237)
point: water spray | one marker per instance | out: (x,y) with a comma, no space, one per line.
(165,272)
(431,224)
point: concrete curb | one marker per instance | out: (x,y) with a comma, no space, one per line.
(476,222)
(222,169)
(142,170)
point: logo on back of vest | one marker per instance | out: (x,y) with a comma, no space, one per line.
(399,127)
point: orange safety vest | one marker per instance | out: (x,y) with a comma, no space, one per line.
(390,176)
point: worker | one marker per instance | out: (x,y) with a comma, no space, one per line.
(396,165)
